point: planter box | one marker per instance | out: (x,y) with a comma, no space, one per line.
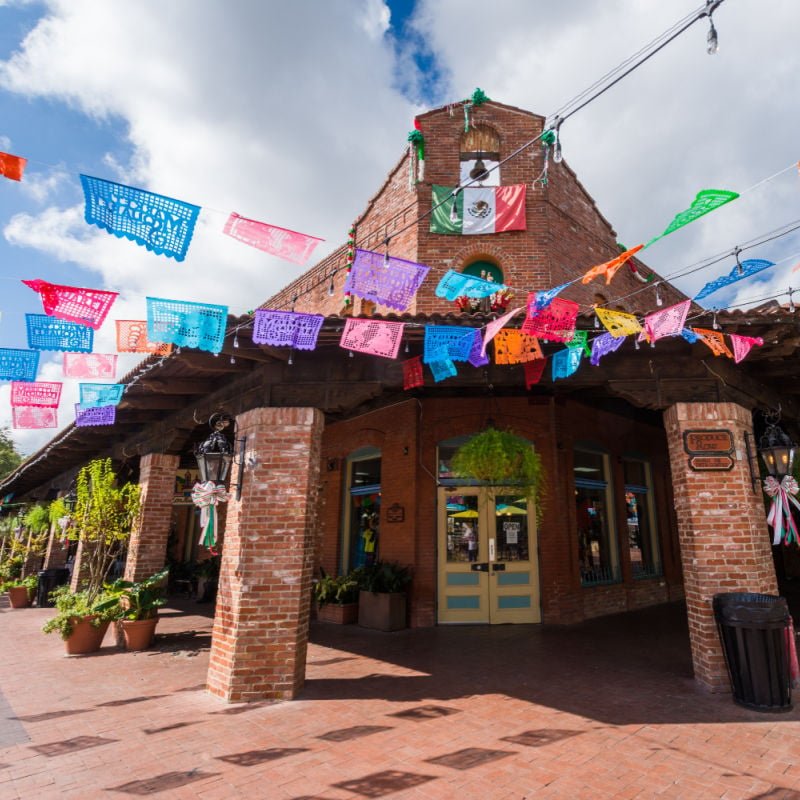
(19,597)
(383,612)
(340,614)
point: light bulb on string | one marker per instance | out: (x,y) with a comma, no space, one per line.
(557,155)
(177,351)
(596,322)
(712,43)
(290,360)
(331,287)
(636,343)
(386,254)
(236,339)
(659,299)
(714,324)
(233,360)
(407,348)
(350,353)
(454,207)
(792,306)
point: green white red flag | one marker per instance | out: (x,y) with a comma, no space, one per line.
(478,210)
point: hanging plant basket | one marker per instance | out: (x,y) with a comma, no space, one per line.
(501,459)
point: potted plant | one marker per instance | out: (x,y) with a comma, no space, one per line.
(20,591)
(337,597)
(382,596)
(81,625)
(135,605)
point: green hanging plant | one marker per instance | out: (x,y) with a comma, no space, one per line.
(500,459)
(479,97)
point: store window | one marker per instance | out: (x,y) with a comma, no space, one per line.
(643,546)
(361,531)
(597,545)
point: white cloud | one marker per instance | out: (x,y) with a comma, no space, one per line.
(43,186)
(5,144)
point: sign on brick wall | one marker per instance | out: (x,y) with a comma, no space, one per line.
(708,442)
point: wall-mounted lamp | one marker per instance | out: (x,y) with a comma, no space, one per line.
(775,447)
(216,454)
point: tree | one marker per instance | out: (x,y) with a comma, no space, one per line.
(10,459)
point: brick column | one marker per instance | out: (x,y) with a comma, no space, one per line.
(258,648)
(722,529)
(57,548)
(147,551)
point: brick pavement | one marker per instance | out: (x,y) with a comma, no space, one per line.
(605,709)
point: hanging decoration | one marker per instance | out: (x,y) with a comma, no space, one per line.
(555,324)
(349,258)
(416,155)
(33,417)
(90,365)
(581,339)
(476,355)
(478,210)
(715,340)
(458,284)
(94,395)
(609,268)
(12,167)
(412,373)
(132,338)
(512,346)
(48,333)
(288,245)
(88,417)
(618,323)
(186,324)
(566,362)
(498,324)
(441,370)
(604,344)
(392,282)
(478,98)
(18,365)
(690,336)
(780,517)
(206,496)
(374,337)
(706,201)
(742,345)
(161,224)
(543,299)
(739,272)
(447,343)
(667,322)
(84,306)
(37,393)
(534,371)
(287,329)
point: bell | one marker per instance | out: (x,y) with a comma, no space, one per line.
(478,172)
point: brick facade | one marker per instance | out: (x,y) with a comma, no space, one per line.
(261,623)
(147,550)
(722,529)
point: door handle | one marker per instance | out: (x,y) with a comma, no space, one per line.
(479,567)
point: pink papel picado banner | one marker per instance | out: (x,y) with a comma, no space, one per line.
(74,304)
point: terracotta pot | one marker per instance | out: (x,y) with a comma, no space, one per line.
(383,612)
(340,614)
(85,637)
(19,597)
(139,633)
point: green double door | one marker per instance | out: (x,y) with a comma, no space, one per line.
(488,570)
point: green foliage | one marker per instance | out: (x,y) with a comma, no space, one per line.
(58,510)
(10,459)
(338,590)
(37,519)
(384,577)
(11,567)
(29,583)
(103,517)
(501,459)
(134,601)
(72,607)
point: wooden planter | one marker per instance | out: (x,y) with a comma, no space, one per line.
(19,597)
(138,633)
(383,612)
(339,614)
(85,637)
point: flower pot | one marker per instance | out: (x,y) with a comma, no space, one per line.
(85,638)
(338,613)
(19,597)
(382,611)
(138,633)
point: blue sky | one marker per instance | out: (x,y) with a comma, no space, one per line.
(294,113)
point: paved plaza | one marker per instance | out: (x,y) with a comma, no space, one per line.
(604,709)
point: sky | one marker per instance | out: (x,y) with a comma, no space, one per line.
(293,113)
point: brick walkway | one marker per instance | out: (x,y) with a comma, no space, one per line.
(606,709)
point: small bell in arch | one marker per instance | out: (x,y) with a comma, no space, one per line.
(479,172)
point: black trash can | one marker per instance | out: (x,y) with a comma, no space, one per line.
(754,633)
(50,579)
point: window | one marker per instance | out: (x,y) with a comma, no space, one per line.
(480,151)
(597,546)
(641,528)
(484,269)
(362,509)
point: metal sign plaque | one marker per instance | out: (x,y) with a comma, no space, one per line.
(395,513)
(717,463)
(700,442)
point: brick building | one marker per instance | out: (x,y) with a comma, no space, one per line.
(337,453)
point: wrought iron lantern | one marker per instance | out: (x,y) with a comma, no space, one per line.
(216,454)
(776,448)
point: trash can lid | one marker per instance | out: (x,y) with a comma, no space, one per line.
(751,607)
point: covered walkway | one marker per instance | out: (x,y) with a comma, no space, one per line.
(603,709)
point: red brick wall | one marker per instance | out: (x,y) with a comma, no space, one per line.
(260,630)
(722,528)
(147,551)
(57,549)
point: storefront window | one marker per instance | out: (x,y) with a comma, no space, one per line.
(511,528)
(597,546)
(641,529)
(463,532)
(361,534)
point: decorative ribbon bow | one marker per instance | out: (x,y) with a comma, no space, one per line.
(206,496)
(782,494)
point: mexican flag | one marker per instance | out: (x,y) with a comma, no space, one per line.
(485,209)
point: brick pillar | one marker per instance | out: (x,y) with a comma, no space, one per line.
(258,648)
(57,548)
(147,551)
(722,529)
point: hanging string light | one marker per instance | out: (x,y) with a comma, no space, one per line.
(659,299)
(331,286)
(454,207)
(712,42)
(386,253)
(556,129)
